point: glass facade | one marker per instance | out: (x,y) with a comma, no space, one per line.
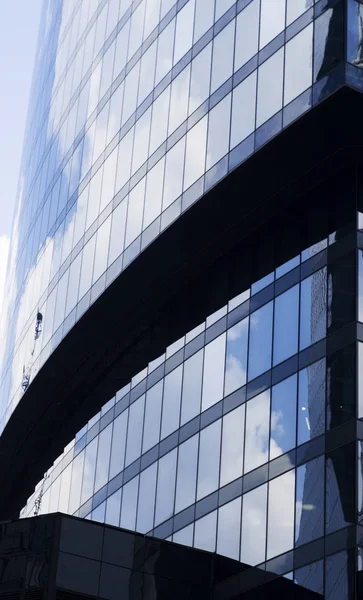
(227,442)
(243,437)
(139,108)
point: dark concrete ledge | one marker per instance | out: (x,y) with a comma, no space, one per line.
(188,272)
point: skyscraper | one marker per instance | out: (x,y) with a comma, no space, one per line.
(181,337)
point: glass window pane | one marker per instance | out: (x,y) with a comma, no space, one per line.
(124,160)
(229,526)
(281,501)
(195,152)
(134,212)
(87,267)
(179,100)
(243,109)
(260,348)
(145,510)
(312,398)
(89,470)
(272,20)
(130,94)
(218,131)
(204,16)
(76,483)
(236,357)
(205,532)
(141,141)
(121,49)
(171,402)
(283,417)
(298,64)
(136,29)
(286,325)
(184,30)
(147,71)
(166,487)
(232,445)
(192,387)
(313,308)
(108,181)
(184,536)
(101,252)
(159,124)
(165,52)
(65,489)
(113,507)
(134,431)
(222,64)
(309,501)
(151,17)
(173,181)
(257,431)
(154,192)
(129,504)
(117,235)
(311,577)
(152,416)
(209,455)
(213,372)
(222,6)
(200,78)
(340,490)
(247,34)
(270,79)
(253,533)
(103,457)
(295,8)
(186,473)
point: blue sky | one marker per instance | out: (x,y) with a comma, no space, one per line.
(19,26)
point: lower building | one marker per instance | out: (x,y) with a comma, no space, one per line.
(57,557)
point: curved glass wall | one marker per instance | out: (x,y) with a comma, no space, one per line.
(220,443)
(138,108)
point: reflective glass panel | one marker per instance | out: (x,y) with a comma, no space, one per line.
(283,417)
(166,487)
(281,508)
(209,457)
(312,398)
(213,372)
(118,444)
(243,109)
(152,416)
(134,432)
(192,387)
(260,348)
(145,509)
(313,308)
(309,501)
(218,131)
(236,357)
(229,526)
(253,532)
(272,20)
(286,325)
(222,62)
(257,431)
(247,24)
(270,79)
(129,504)
(186,473)
(103,457)
(171,402)
(232,445)
(205,532)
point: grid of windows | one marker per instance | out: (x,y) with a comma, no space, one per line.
(138,109)
(219,443)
